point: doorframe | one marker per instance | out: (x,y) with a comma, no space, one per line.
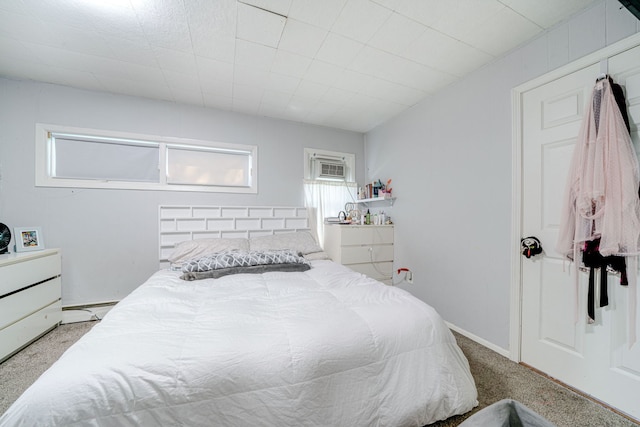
(515,303)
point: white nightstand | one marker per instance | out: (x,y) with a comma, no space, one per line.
(30,297)
(367,249)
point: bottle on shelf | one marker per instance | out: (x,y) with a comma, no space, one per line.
(368,219)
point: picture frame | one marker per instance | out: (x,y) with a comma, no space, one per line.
(28,239)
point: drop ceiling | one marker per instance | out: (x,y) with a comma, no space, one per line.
(347,64)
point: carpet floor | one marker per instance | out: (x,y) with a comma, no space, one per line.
(496,377)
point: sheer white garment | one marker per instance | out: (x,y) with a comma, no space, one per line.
(601,197)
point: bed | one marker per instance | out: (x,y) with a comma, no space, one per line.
(318,345)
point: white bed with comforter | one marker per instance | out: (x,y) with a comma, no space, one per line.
(321,347)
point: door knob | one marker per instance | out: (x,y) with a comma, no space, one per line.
(530,246)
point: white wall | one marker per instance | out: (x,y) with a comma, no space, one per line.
(109,237)
(450,159)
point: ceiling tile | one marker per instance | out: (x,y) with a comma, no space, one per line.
(428,12)
(464,17)
(282,83)
(444,53)
(490,38)
(134,88)
(275,98)
(320,112)
(299,107)
(301,38)
(392,92)
(128,51)
(368,16)
(290,64)
(350,80)
(546,13)
(254,55)
(339,50)
(259,26)
(376,62)
(246,92)
(323,72)
(250,76)
(213,69)
(396,34)
(165,23)
(276,6)
(181,82)
(217,87)
(108,20)
(62,58)
(389,4)
(337,96)
(212,25)
(318,13)
(311,90)
(174,60)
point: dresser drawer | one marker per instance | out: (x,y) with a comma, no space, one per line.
(22,304)
(366,235)
(362,254)
(17,275)
(21,333)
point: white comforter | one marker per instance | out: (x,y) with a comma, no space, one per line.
(327,347)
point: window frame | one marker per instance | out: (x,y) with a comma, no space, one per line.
(44,177)
(348,159)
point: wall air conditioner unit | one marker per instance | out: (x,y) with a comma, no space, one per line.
(329,168)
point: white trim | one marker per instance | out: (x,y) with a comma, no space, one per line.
(86,312)
(44,178)
(501,351)
(515,299)
(601,55)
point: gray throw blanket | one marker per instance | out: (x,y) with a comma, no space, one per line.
(236,262)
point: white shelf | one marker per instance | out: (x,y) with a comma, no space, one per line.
(388,200)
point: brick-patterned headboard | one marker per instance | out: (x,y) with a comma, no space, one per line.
(179,223)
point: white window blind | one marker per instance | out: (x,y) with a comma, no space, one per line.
(194,166)
(78,157)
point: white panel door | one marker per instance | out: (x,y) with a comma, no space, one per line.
(594,358)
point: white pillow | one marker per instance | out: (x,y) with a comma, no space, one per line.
(299,241)
(316,256)
(197,248)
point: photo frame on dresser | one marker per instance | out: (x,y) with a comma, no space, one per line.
(28,239)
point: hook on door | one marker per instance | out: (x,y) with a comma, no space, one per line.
(530,246)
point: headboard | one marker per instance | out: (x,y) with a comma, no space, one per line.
(180,223)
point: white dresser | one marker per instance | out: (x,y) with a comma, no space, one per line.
(367,249)
(30,297)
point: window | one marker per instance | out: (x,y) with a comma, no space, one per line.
(72,157)
(328,185)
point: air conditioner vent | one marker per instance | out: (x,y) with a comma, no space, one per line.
(331,170)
